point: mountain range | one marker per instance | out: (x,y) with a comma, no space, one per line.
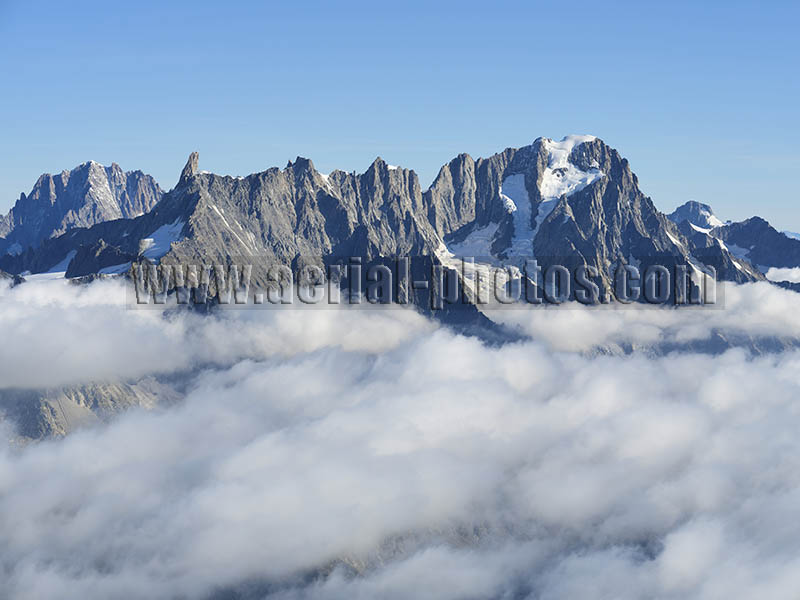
(753,240)
(574,198)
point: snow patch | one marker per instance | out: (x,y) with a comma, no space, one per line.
(14,249)
(161,240)
(477,244)
(49,276)
(221,216)
(561,177)
(513,191)
(57,271)
(481,280)
(675,240)
(61,267)
(710,218)
(477,277)
(116,269)
(700,229)
(508,203)
(236,235)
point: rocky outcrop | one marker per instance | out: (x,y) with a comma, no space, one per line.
(191,168)
(711,250)
(86,195)
(56,412)
(94,258)
(9,279)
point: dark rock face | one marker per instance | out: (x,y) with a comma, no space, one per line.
(761,244)
(752,241)
(609,220)
(574,200)
(451,199)
(87,195)
(94,258)
(12,280)
(712,251)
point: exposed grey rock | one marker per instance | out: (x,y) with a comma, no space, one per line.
(91,259)
(609,220)
(86,195)
(297,213)
(58,411)
(451,199)
(753,240)
(760,243)
(697,213)
(707,247)
(190,169)
(602,224)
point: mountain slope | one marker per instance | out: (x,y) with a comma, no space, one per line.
(50,412)
(753,240)
(570,202)
(86,195)
(761,244)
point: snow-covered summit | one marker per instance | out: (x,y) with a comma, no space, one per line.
(561,177)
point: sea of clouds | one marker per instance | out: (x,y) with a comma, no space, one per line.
(377,454)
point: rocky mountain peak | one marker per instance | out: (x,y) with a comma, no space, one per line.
(84,196)
(190,170)
(696,213)
(377,166)
(301,165)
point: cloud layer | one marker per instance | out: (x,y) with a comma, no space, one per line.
(363,454)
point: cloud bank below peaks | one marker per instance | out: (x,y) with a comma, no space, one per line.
(331,454)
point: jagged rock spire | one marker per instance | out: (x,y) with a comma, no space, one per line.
(301,164)
(191,167)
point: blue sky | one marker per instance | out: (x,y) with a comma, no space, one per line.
(702,98)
